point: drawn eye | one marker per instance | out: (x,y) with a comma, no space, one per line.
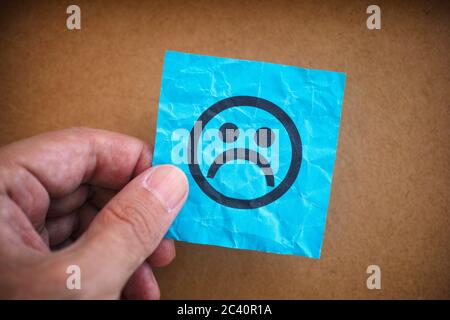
(228,132)
(264,137)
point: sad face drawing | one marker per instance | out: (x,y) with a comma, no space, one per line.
(263,140)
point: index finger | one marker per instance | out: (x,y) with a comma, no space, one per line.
(63,160)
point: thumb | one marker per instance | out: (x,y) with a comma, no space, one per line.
(129,228)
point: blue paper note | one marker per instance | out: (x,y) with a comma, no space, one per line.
(257,142)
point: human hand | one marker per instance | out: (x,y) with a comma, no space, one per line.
(66,199)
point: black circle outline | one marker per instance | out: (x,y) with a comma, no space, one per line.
(296,156)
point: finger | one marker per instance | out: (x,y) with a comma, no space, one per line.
(22,188)
(142,285)
(45,236)
(86,215)
(68,203)
(55,164)
(71,226)
(61,228)
(130,227)
(163,254)
(17,235)
(101,196)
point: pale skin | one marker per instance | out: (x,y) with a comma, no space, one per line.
(89,198)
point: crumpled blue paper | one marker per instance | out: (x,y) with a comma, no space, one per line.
(277,204)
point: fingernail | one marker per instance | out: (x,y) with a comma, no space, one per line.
(168,184)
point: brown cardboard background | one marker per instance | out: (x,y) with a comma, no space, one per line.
(390,196)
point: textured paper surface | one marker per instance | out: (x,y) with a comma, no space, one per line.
(237,208)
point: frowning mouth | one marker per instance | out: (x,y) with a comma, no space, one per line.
(244,154)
